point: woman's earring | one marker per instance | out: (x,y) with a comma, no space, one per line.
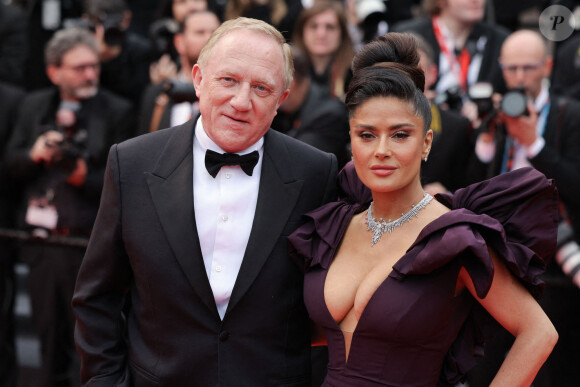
(425,159)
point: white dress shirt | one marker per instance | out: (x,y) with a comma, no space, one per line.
(224,212)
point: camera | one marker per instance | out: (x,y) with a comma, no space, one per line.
(513,102)
(74,142)
(113,33)
(452,97)
(161,33)
(69,150)
(568,253)
(180,91)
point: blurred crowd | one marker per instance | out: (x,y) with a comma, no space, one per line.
(77,76)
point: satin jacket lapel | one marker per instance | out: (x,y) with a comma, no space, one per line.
(171,186)
(279,190)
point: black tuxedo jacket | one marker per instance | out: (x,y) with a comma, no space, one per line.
(146,315)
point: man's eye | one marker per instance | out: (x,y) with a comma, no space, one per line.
(262,90)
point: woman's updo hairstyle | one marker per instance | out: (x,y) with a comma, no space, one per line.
(389,67)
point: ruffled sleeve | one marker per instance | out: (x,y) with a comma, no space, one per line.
(525,203)
(516,214)
(315,242)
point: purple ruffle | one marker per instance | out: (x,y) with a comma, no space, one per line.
(516,214)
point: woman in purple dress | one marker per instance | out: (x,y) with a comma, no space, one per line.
(405,287)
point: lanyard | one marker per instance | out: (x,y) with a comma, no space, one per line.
(459,65)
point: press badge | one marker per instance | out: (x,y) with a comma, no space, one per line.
(41,214)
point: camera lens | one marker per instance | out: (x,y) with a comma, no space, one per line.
(513,103)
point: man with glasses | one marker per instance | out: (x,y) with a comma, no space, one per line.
(546,137)
(57,154)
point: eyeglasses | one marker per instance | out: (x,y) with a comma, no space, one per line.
(526,68)
(80,69)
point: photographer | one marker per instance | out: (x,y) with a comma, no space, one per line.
(57,153)
(125,56)
(540,129)
(466,48)
(173,102)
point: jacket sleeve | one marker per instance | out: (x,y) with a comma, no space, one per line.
(100,294)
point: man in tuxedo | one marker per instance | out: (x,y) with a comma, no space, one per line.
(187,278)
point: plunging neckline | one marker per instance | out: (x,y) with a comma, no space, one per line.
(426,230)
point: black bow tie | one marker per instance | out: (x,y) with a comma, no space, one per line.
(214,161)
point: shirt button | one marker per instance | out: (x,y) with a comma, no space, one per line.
(225,218)
(218,268)
(228,175)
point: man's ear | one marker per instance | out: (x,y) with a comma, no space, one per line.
(197,76)
(52,72)
(283,98)
(178,43)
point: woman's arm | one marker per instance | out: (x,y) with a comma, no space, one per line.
(517,311)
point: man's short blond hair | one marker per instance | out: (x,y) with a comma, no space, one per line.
(253,25)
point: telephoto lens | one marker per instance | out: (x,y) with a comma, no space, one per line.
(514,103)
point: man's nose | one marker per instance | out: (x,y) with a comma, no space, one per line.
(242,98)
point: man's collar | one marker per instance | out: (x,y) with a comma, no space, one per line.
(207,143)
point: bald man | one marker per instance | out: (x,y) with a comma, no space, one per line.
(548,139)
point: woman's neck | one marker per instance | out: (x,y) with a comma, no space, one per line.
(459,30)
(393,204)
(320,63)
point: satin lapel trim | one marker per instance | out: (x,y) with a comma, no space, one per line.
(171,187)
(276,199)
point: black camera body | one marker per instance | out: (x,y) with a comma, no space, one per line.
(452,97)
(513,102)
(69,150)
(114,35)
(161,33)
(180,91)
(73,145)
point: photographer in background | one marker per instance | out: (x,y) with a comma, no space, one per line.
(543,134)
(125,56)
(173,101)
(170,15)
(466,48)
(57,153)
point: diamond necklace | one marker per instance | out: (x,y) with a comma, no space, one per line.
(379,227)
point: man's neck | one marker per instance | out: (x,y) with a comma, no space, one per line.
(459,31)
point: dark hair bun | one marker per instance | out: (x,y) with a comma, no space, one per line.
(394,50)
